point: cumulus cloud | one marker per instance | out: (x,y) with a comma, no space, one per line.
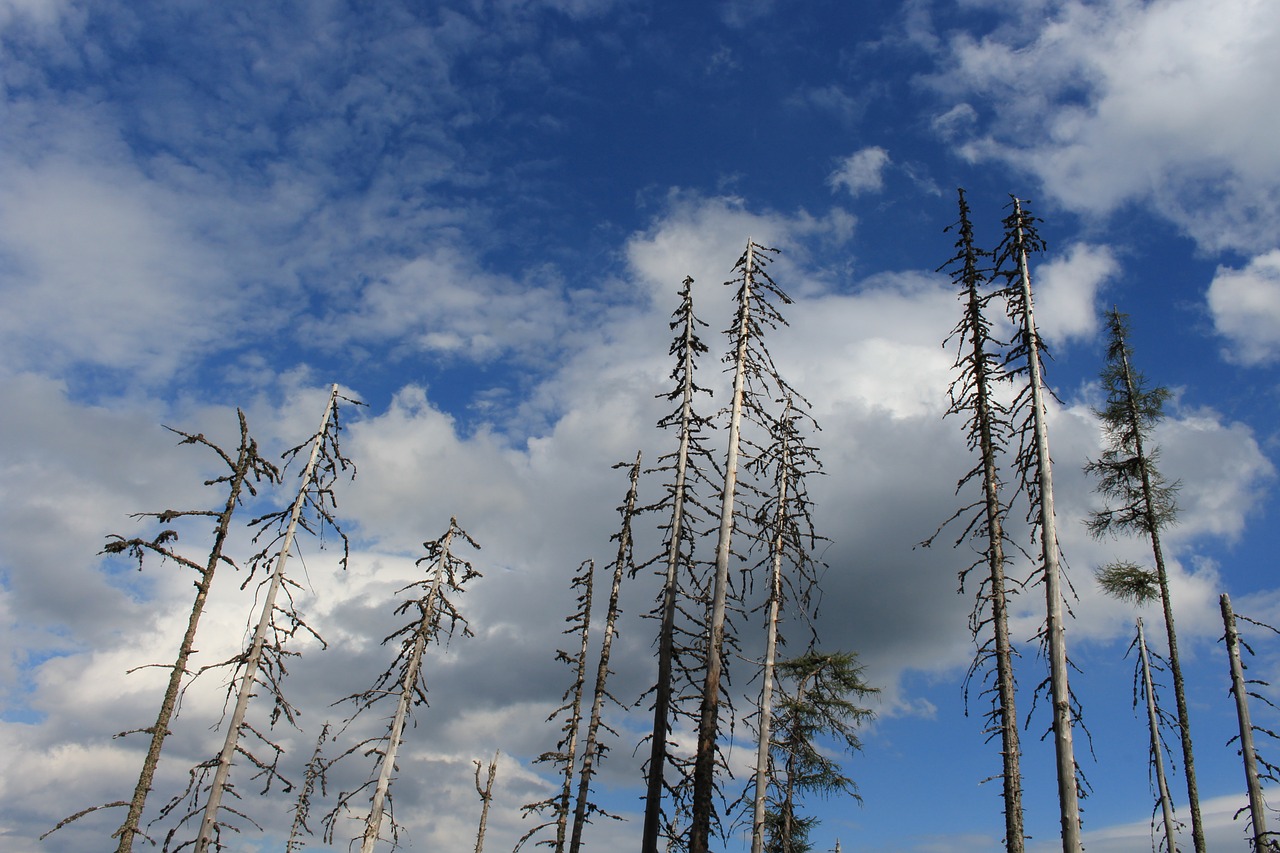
(1245,307)
(1067,291)
(1117,101)
(861,172)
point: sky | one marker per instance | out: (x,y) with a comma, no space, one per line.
(474,216)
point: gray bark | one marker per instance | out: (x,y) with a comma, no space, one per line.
(1257,806)
(1068,792)
(254,656)
(1157,756)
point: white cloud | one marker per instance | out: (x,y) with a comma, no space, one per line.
(861,172)
(1245,306)
(1120,101)
(1066,292)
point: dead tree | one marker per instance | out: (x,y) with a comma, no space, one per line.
(435,617)
(593,749)
(676,648)
(566,751)
(988,427)
(486,797)
(244,473)
(262,666)
(755,382)
(1155,718)
(785,525)
(1036,468)
(313,776)
(1261,840)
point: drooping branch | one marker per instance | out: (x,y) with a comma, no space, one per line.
(244,473)
(262,665)
(988,428)
(446,576)
(689,466)
(593,749)
(1036,468)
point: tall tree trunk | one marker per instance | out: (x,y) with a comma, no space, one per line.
(765,742)
(1166,602)
(670,589)
(205,838)
(591,748)
(1257,806)
(407,684)
(1157,757)
(708,721)
(1068,791)
(246,461)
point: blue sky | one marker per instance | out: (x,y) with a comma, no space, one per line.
(475,216)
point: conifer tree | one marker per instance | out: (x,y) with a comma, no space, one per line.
(566,751)
(1139,500)
(1035,466)
(755,382)
(405,679)
(594,749)
(244,473)
(676,652)
(1155,717)
(261,667)
(1256,769)
(818,701)
(785,523)
(987,430)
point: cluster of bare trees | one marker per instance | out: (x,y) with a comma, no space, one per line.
(738,555)
(1000,392)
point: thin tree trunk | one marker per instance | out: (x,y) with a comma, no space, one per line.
(1068,792)
(1153,722)
(662,692)
(591,748)
(575,718)
(374,822)
(1179,688)
(770,653)
(708,722)
(1011,750)
(486,796)
(129,829)
(1257,806)
(205,838)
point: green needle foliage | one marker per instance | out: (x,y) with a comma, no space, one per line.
(1139,500)
(818,702)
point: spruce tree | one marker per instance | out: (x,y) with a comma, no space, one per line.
(1139,500)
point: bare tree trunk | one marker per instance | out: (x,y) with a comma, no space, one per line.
(246,461)
(1153,723)
(407,685)
(592,749)
(1068,792)
(1257,806)
(771,649)
(205,838)
(670,589)
(486,796)
(708,722)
